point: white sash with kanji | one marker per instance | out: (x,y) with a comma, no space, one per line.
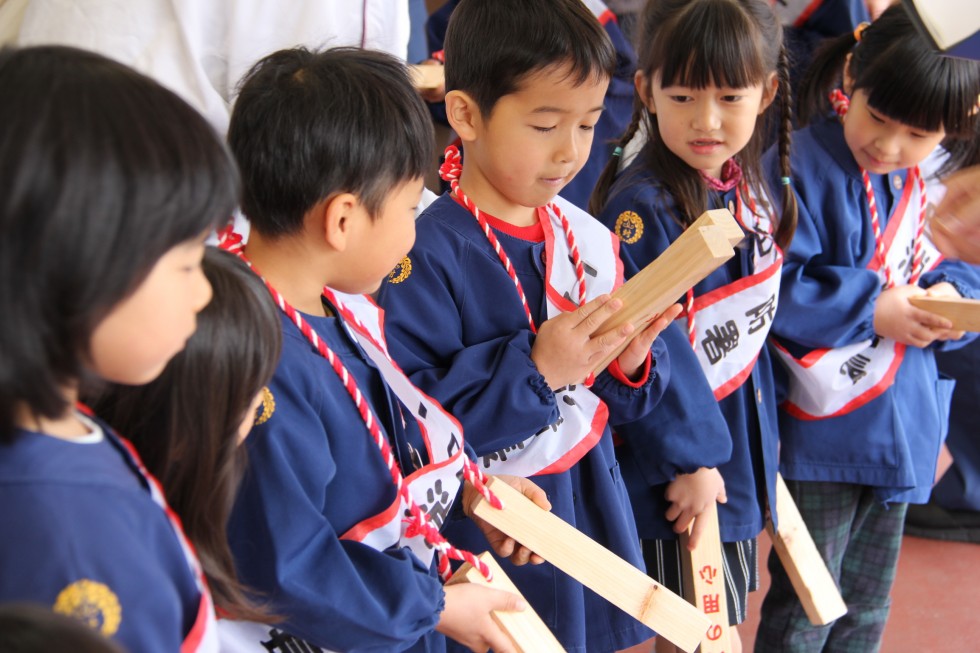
(733,321)
(433,486)
(831,382)
(203,635)
(582,415)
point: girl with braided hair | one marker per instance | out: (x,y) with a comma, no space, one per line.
(709,72)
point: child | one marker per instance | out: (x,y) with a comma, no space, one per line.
(333,147)
(189,422)
(617,105)
(866,411)
(112,185)
(715,435)
(496,311)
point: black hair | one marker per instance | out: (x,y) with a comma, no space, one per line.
(185,423)
(104,171)
(309,125)
(35,628)
(492,46)
(697,43)
(905,79)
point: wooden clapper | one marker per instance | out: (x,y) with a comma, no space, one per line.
(962,312)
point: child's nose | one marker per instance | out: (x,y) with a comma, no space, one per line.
(706,117)
(887,143)
(567,149)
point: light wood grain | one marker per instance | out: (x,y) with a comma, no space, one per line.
(525,628)
(807,571)
(704,581)
(700,250)
(963,313)
(594,566)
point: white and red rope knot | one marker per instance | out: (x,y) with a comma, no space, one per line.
(420,522)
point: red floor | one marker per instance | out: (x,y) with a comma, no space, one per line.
(936,599)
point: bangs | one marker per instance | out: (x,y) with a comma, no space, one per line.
(923,91)
(710,44)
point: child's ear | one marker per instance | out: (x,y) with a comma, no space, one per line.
(769,90)
(642,84)
(463,114)
(848,85)
(337,215)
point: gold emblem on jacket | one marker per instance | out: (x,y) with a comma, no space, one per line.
(92,603)
(629,227)
(401,272)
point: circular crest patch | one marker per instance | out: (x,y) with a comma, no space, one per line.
(267,408)
(92,603)
(629,227)
(401,272)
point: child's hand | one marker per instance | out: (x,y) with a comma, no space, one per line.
(945,289)
(466,617)
(690,495)
(504,545)
(899,320)
(565,351)
(633,358)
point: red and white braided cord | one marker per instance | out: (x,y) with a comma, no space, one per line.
(450,171)
(420,521)
(841,103)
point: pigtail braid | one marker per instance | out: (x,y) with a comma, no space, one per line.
(600,193)
(788,217)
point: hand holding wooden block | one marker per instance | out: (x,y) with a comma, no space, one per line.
(594,566)
(704,581)
(962,312)
(526,629)
(699,251)
(804,565)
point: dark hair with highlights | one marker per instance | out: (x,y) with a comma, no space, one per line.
(492,46)
(905,79)
(104,171)
(185,423)
(309,125)
(697,43)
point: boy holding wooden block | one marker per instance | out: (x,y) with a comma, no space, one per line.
(496,310)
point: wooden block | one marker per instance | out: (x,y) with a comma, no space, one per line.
(724,219)
(428,76)
(700,250)
(594,566)
(704,582)
(526,630)
(804,565)
(962,312)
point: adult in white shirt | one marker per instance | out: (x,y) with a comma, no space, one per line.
(201,48)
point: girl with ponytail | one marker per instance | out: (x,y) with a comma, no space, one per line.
(865,410)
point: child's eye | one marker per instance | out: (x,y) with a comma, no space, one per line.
(731,98)
(877,119)
(680,98)
(543,130)
(586,128)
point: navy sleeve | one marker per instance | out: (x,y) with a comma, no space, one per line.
(301,492)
